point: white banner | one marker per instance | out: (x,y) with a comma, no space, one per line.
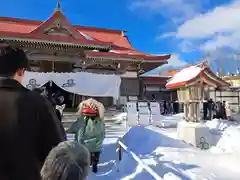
(34,80)
(81,83)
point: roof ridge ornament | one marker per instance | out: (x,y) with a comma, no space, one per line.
(203,64)
(58,5)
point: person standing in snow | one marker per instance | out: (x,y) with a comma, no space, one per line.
(228,111)
(210,109)
(224,110)
(29,127)
(164,107)
(89,129)
(205,109)
(57,101)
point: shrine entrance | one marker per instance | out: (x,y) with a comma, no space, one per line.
(72,100)
(52,88)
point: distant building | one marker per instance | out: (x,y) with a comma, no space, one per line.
(154,86)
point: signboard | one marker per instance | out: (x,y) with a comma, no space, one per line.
(155,111)
(144,113)
(147,114)
(132,98)
(132,114)
(152,88)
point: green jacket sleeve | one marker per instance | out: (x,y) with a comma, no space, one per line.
(81,130)
(74,127)
(101,136)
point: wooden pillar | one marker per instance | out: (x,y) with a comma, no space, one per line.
(215,95)
(238,103)
(191,112)
(186,111)
(221,94)
(196,111)
(194,117)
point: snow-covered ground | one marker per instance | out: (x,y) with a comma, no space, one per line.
(169,157)
(108,159)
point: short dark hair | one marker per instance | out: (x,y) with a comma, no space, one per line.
(69,160)
(11,59)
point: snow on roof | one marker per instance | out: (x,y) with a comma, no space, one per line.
(185,75)
(86,36)
(114,51)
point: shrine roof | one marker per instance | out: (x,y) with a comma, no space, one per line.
(165,74)
(132,55)
(114,40)
(192,74)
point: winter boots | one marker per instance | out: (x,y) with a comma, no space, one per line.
(94,168)
(94,161)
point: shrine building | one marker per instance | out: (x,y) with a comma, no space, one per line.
(56,45)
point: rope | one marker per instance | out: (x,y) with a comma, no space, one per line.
(140,162)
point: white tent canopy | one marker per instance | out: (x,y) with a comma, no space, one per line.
(81,83)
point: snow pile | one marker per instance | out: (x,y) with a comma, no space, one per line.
(229,141)
(185,75)
(179,115)
(171,159)
(119,118)
(169,121)
(171,176)
(144,143)
(236,117)
(128,168)
(217,128)
(142,140)
(218,125)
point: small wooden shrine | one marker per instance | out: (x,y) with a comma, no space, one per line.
(192,85)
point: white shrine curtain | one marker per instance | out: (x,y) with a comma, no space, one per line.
(81,83)
(34,80)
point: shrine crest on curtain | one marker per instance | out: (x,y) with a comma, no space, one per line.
(32,84)
(69,83)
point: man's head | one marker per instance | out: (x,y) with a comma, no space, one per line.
(69,160)
(13,62)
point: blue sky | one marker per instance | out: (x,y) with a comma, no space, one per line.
(189,29)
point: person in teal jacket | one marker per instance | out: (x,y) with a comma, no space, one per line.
(89,129)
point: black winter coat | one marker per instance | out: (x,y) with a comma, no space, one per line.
(29,129)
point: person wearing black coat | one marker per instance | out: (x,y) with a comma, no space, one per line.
(210,108)
(57,99)
(205,110)
(29,127)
